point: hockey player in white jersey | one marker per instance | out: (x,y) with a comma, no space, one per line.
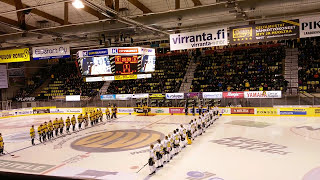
(176,142)
(167,149)
(152,159)
(199,126)
(159,149)
(194,129)
(182,132)
(171,139)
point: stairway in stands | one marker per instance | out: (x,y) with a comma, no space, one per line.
(291,70)
(188,77)
(103,90)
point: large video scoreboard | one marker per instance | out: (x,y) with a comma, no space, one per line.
(119,62)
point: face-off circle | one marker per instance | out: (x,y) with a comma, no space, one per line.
(118,140)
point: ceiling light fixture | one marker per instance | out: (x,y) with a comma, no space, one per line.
(77,4)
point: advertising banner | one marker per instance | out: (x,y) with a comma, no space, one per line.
(108,97)
(199,39)
(293,111)
(93,52)
(287,29)
(14,55)
(123,96)
(3,77)
(41,110)
(212,95)
(140,96)
(25,111)
(99,78)
(143,76)
(310,26)
(7,113)
(176,110)
(262,94)
(125,77)
(174,95)
(160,110)
(224,110)
(66,110)
(73,98)
(266,111)
(193,95)
(157,96)
(25,99)
(242,110)
(125,110)
(234,94)
(51,52)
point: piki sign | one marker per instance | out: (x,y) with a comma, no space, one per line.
(234,94)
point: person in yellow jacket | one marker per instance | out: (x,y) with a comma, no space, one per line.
(68,123)
(92,117)
(40,132)
(44,131)
(101,115)
(61,125)
(56,126)
(145,109)
(80,119)
(50,130)
(73,122)
(107,113)
(32,135)
(1,145)
(86,119)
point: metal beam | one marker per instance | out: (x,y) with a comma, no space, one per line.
(109,3)
(140,6)
(66,13)
(116,5)
(37,12)
(14,24)
(93,12)
(196,2)
(20,14)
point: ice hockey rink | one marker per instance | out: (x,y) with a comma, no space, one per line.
(234,148)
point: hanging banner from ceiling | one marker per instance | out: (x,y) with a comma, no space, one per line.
(3,77)
(14,55)
(199,39)
(309,26)
(51,52)
(287,29)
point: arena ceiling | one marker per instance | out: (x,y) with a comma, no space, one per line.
(27,23)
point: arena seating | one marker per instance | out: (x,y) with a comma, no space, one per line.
(309,65)
(168,76)
(250,68)
(65,81)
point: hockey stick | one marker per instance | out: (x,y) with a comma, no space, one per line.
(142,168)
(8,153)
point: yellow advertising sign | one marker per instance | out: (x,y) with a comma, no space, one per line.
(160,96)
(125,77)
(14,55)
(267,111)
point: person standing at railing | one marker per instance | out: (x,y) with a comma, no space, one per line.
(68,123)
(113,110)
(50,130)
(86,119)
(61,125)
(32,135)
(44,131)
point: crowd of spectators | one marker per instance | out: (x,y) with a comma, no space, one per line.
(254,68)
(65,80)
(168,76)
(309,64)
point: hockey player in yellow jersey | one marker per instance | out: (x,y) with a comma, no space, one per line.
(100,115)
(50,130)
(92,118)
(40,132)
(1,145)
(73,122)
(61,125)
(32,135)
(86,119)
(80,119)
(68,123)
(56,126)
(107,113)
(44,131)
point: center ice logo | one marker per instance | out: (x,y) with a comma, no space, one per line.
(118,140)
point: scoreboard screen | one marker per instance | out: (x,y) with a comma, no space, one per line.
(125,65)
